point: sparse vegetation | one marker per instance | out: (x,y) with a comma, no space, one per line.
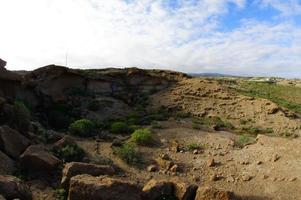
(142,136)
(194,146)
(71,152)
(257,130)
(60,194)
(82,128)
(119,128)
(196,126)
(242,141)
(283,95)
(129,153)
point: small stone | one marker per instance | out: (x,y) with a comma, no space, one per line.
(152,168)
(194,169)
(196,178)
(246,177)
(211,162)
(265,176)
(293,179)
(230,179)
(259,162)
(174,168)
(165,156)
(214,177)
(195,151)
(275,157)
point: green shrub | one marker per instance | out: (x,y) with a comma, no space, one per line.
(141,136)
(129,154)
(119,127)
(182,115)
(242,141)
(157,125)
(196,126)
(70,153)
(60,194)
(82,128)
(22,116)
(194,146)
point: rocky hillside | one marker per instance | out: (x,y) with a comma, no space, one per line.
(139,134)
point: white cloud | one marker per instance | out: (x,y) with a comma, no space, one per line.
(145,33)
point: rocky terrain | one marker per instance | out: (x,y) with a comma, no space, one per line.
(133,134)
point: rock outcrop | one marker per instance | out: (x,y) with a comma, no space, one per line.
(78,168)
(90,188)
(38,160)
(13,188)
(7,165)
(12,142)
(209,193)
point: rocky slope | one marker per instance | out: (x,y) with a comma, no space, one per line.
(38,160)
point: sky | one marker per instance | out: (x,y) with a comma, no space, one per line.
(238,37)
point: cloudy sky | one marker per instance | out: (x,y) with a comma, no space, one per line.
(246,37)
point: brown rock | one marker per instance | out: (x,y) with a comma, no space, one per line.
(77,168)
(209,193)
(158,189)
(13,188)
(211,162)
(90,188)
(174,168)
(7,165)
(37,159)
(12,142)
(152,168)
(275,157)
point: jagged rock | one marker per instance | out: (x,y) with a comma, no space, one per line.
(37,159)
(77,168)
(175,146)
(158,189)
(90,188)
(7,165)
(13,188)
(209,193)
(12,142)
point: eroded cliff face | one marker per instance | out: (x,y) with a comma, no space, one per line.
(53,91)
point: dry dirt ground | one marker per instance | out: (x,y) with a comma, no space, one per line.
(267,169)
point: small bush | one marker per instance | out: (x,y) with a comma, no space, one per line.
(119,127)
(182,115)
(129,154)
(60,194)
(141,136)
(82,128)
(157,125)
(242,141)
(194,146)
(71,152)
(22,116)
(196,126)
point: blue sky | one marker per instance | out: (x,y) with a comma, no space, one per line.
(241,37)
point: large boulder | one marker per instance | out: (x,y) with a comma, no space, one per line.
(13,188)
(209,193)
(77,168)
(7,165)
(102,188)
(12,142)
(160,189)
(37,159)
